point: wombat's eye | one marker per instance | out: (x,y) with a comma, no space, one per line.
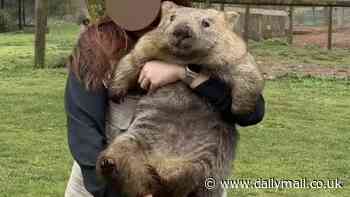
(205,23)
(172,17)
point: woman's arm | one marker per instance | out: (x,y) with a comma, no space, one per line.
(86,125)
(155,74)
(218,94)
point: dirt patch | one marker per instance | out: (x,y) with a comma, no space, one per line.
(319,36)
(306,36)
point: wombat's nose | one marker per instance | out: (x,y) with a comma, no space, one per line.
(182,32)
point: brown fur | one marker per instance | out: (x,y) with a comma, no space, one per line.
(221,53)
(176,139)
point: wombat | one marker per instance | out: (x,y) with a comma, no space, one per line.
(177,139)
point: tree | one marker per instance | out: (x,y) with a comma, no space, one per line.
(291,23)
(19,4)
(207,3)
(41,7)
(96,8)
(23,13)
(222,6)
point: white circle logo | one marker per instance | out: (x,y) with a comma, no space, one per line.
(210,183)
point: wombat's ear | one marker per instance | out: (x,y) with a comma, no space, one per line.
(231,18)
(167,6)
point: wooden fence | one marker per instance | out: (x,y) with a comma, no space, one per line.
(290,3)
(41,17)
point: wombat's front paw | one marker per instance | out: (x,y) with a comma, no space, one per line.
(117,95)
(118,89)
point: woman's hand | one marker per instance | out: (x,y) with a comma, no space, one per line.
(156,74)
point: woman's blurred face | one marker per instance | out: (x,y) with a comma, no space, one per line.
(153,25)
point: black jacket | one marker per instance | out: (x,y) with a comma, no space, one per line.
(86,123)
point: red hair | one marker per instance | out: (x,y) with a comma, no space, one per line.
(99,46)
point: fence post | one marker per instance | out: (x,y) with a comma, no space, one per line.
(40,31)
(207,3)
(222,5)
(23,13)
(330,28)
(246,23)
(20,26)
(314,15)
(291,22)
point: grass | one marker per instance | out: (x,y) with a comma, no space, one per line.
(16,49)
(34,158)
(305,132)
(278,52)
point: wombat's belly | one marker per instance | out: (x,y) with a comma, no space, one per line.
(176,121)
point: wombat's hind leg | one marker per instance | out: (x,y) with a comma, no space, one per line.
(176,177)
(123,164)
(107,168)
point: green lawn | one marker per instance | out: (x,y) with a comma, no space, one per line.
(278,52)
(305,132)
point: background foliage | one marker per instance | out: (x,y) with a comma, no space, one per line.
(96,8)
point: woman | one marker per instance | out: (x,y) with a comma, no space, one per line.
(101,46)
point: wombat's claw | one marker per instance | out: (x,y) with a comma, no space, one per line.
(155,175)
(117,99)
(107,163)
(108,166)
